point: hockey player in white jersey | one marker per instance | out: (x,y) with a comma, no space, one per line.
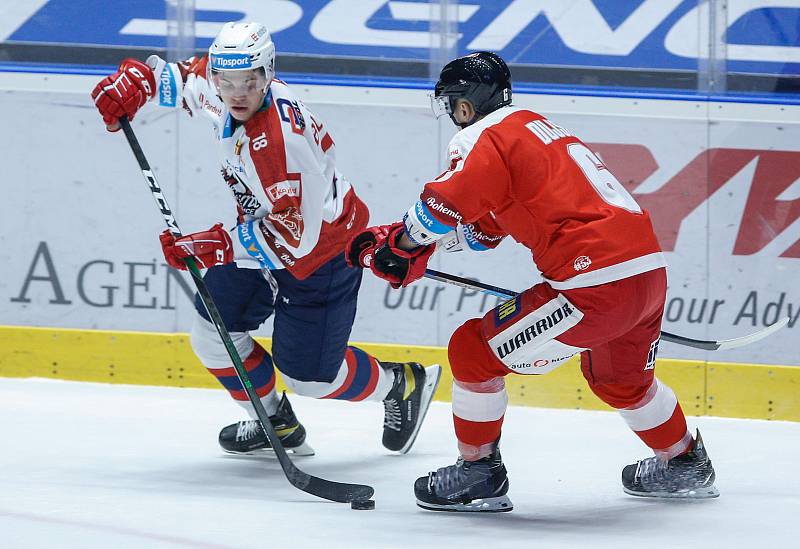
(285,253)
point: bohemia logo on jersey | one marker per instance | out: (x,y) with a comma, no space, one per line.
(442,209)
(431,204)
(479,240)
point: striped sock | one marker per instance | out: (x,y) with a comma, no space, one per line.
(258,365)
(361,381)
(659,421)
(360,377)
(478,412)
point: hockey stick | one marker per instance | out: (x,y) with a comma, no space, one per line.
(326,489)
(708,345)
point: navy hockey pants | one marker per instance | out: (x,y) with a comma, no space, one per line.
(313,317)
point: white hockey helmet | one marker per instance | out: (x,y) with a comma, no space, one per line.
(242,47)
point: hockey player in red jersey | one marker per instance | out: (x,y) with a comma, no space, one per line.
(515,173)
(284,254)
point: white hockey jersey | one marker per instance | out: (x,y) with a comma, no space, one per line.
(296,211)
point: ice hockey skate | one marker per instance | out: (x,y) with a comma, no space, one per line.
(247,437)
(690,475)
(407,403)
(467,486)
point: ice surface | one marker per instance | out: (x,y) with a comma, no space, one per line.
(108,466)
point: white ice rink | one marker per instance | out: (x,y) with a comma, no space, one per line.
(104,466)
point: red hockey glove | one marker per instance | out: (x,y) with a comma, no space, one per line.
(124,92)
(359,250)
(397,266)
(209,248)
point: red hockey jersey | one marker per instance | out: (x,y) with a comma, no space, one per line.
(515,173)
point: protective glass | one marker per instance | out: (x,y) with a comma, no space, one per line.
(440,105)
(238,82)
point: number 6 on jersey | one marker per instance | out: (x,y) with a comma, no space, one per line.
(607,186)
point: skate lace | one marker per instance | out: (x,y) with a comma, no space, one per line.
(446,478)
(392,417)
(653,468)
(247,429)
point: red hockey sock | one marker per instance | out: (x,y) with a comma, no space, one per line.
(478,411)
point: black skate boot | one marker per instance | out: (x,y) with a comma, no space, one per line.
(407,403)
(467,486)
(247,437)
(690,475)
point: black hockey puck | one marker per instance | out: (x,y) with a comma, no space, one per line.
(363,504)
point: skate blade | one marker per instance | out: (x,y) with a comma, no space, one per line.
(303,450)
(707,492)
(433,374)
(500,504)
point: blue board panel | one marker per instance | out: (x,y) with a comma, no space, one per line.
(764,38)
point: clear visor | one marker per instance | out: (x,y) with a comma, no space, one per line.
(440,105)
(238,82)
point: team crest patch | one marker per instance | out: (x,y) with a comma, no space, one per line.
(581,263)
(289,223)
(244,196)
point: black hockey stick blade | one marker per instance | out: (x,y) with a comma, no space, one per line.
(326,489)
(707,345)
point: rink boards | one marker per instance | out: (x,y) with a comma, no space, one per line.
(78,249)
(704,388)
